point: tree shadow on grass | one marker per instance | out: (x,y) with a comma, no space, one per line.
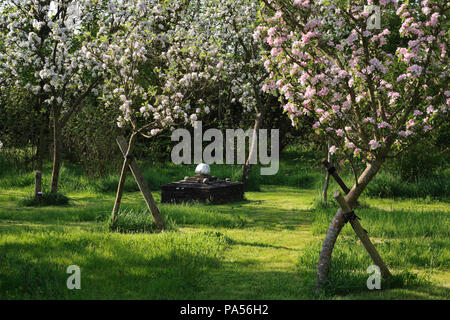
(259,213)
(260,245)
(234,283)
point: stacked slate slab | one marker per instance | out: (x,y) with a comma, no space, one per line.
(202,188)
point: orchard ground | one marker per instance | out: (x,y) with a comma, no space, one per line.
(263,248)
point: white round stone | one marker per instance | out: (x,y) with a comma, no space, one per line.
(202,168)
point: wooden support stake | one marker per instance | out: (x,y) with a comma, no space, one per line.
(38,186)
(143,186)
(120,186)
(332,171)
(327,178)
(362,235)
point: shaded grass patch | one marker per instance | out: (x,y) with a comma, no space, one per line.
(47,199)
(166,265)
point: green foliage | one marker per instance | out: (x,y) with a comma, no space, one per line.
(427,159)
(73,178)
(22,125)
(90,139)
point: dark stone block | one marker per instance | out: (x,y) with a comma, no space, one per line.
(202,188)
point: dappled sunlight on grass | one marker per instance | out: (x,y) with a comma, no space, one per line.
(265,247)
(418,205)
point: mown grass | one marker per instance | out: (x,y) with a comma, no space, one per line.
(157,266)
(263,248)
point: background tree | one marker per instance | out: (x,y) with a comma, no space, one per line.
(138,49)
(226,28)
(43,56)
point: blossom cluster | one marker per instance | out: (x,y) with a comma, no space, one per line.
(369,96)
(42,53)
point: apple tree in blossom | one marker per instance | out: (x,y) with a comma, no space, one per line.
(43,55)
(144,55)
(372,103)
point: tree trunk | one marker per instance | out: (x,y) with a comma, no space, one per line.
(57,139)
(123,174)
(327,178)
(253,148)
(38,186)
(40,148)
(338,221)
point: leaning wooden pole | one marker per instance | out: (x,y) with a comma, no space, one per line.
(121,184)
(143,186)
(332,171)
(338,221)
(362,234)
(327,178)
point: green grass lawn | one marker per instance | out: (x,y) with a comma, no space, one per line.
(263,248)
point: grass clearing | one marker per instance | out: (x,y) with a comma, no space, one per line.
(263,248)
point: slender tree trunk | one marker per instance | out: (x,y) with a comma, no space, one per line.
(39,152)
(327,178)
(123,174)
(38,186)
(42,147)
(57,140)
(338,222)
(253,148)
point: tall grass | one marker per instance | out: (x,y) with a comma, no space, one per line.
(297,169)
(47,199)
(391,224)
(73,179)
(348,270)
(130,220)
(387,185)
(167,265)
(406,239)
